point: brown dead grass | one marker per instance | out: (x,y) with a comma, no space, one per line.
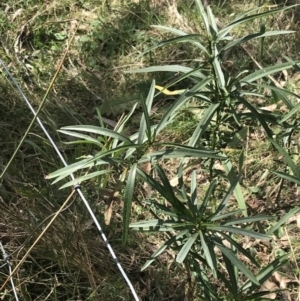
(69,255)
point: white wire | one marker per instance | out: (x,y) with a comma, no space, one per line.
(6,260)
(12,284)
(76,187)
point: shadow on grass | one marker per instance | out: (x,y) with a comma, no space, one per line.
(71,262)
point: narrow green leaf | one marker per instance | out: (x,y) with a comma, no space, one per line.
(237,263)
(265,273)
(281,93)
(179,33)
(167,68)
(152,182)
(127,117)
(170,196)
(283,220)
(217,68)
(164,210)
(239,231)
(179,102)
(147,224)
(145,120)
(186,248)
(194,186)
(175,31)
(182,38)
(290,113)
(86,177)
(116,150)
(78,142)
(207,254)
(171,111)
(262,40)
(248,219)
(190,38)
(203,124)
(160,225)
(233,276)
(207,198)
(265,72)
(194,265)
(122,124)
(234,181)
(295,66)
(255,36)
(38,148)
(216,217)
(287,177)
(154,255)
(258,296)
(244,19)
(211,248)
(100,118)
(87,138)
(226,29)
(212,22)
(239,248)
(201,86)
(222,205)
(182,152)
(99,131)
(203,15)
(166,245)
(66,171)
(243,14)
(133,138)
(183,76)
(183,194)
(288,160)
(129,191)
(241,159)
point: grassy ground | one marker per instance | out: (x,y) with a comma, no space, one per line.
(71,262)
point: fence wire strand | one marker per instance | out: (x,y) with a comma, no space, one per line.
(76,187)
(7,263)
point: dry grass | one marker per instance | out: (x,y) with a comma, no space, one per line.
(71,262)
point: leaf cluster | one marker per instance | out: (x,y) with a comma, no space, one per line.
(203,231)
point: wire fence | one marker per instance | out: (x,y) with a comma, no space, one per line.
(77,188)
(7,263)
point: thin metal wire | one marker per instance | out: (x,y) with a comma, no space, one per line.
(6,260)
(76,187)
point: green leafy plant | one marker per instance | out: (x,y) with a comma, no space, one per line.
(221,93)
(206,239)
(197,226)
(127,154)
